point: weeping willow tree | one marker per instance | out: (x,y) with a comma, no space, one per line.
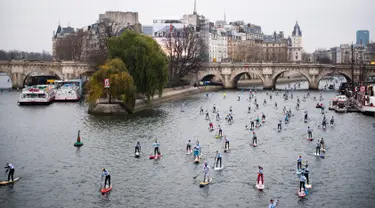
(121,84)
(146,62)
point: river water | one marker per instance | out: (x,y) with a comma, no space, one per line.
(38,141)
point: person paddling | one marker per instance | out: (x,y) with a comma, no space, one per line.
(299,162)
(105,173)
(226,143)
(317,149)
(255,139)
(137,148)
(11,169)
(211,126)
(332,121)
(260,175)
(188,146)
(206,171)
(306,173)
(279,125)
(302,182)
(217,159)
(322,143)
(156,146)
(273,204)
(309,132)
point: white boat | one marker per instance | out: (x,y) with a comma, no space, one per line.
(68,90)
(342,102)
(332,104)
(37,95)
(365,98)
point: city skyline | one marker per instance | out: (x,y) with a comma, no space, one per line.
(29,25)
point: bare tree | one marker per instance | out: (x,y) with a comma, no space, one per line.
(247,52)
(305,57)
(106,29)
(185,51)
(71,46)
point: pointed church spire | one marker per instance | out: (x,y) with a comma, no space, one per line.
(195,7)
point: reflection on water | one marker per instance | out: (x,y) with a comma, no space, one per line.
(38,140)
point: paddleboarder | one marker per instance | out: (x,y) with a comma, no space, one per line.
(255,139)
(226,143)
(302,182)
(273,204)
(156,146)
(309,132)
(299,162)
(196,153)
(188,146)
(137,148)
(10,168)
(260,175)
(107,177)
(279,125)
(317,149)
(220,134)
(306,173)
(206,171)
(218,158)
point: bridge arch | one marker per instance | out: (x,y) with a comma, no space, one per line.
(5,79)
(278,73)
(209,75)
(347,75)
(237,74)
(50,73)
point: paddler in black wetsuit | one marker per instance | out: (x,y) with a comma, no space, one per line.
(137,148)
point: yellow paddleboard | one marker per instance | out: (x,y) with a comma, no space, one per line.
(8,182)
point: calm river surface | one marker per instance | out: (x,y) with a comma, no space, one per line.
(38,141)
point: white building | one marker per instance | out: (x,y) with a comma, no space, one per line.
(160,26)
(217,45)
(295,45)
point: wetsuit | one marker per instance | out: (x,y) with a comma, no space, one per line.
(260,175)
(299,163)
(137,148)
(107,178)
(10,168)
(156,148)
(302,181)
(218,158)
(226,143)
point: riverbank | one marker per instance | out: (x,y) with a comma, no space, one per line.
(102,107)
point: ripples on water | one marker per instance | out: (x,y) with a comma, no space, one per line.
(39,141)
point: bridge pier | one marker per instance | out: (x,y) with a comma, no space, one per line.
(17,81)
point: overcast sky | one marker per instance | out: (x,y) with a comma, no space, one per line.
(28,24)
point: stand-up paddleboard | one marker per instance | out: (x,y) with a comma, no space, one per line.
(298,171)
(322,156)
(278,130)
(226,150)
(254,144)
(197,160)
(219,168)
(209,129)
(259,186)
(305,120)
(308,186)
(136,154)
(263,121)
(251,128)
(203,184)
(9,182)
(301,193)
(218,137)
(155,157)
(314,153)
(309,138)
(106,190)
(189,152)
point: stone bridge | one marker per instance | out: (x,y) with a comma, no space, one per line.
(18,71)
(230,73)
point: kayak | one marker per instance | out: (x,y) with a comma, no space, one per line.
(105,190)
(9,182)
(78,144)
(203,184)
(155,157)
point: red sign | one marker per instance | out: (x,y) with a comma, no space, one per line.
(106,83)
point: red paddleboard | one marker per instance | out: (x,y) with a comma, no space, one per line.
(155,157)
(254,145)
(105,190)
(301,194)
(310,139)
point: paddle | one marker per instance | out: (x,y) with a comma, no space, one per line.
(196,176)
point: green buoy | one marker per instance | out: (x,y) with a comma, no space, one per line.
(78,143)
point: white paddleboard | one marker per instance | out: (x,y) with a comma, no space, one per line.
(254,145)
(189,152)
(314,153)
(219,168)
(9,182)
(301,193)
(259,186)
(298,172)
(308,186)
